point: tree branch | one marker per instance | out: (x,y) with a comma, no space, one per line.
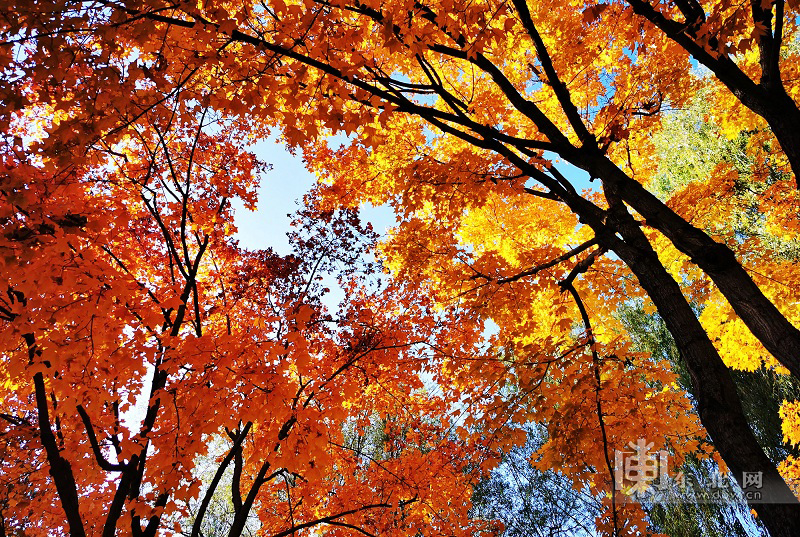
(60,468)
(98,453)
(212,487)
(568,286)
(332,518)
(553,262)
(560,88)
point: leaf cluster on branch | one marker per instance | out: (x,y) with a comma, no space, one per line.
(126,126)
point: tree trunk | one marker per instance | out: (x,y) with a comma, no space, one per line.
(783,118)
(718,403)
(780,337)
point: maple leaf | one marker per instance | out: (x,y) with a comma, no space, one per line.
(449,110)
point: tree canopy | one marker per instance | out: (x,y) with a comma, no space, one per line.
(126,132)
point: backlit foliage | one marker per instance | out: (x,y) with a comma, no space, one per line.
(126,131)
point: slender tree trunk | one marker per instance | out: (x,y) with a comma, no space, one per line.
(60,468)
(718,403)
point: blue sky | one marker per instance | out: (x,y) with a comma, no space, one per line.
(281,193)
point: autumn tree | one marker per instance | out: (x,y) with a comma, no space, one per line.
(135,331)
(458,115)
